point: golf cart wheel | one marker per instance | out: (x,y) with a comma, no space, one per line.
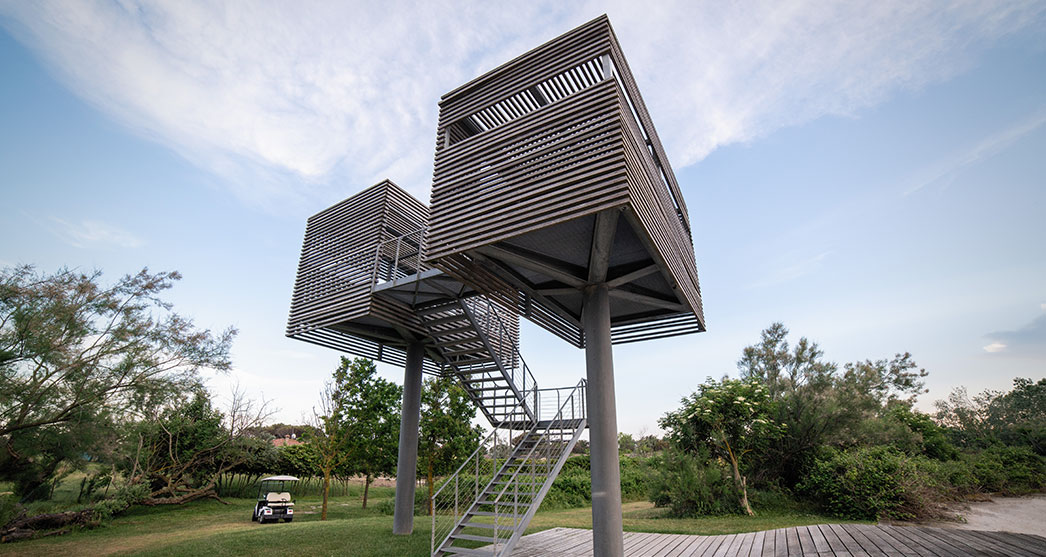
(288,519)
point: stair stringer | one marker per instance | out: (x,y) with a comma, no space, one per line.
(525,521)
(446,547)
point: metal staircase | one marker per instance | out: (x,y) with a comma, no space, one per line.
(484,507)
(476,344)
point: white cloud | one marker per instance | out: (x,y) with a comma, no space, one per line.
(94,233)
(1028,340)
(789,268)
(285,100)
(995,347)
(944,171)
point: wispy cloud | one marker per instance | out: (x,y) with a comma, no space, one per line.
(792,269)
(93,233)
(285,100)
(945,171)
(1029,340)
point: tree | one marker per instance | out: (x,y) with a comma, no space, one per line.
(818,404)
(650,444)
(326,438)
(76,356)
(447,436)
(371,417)
(1017,417)
(626,444)
(732,418)
(182,449)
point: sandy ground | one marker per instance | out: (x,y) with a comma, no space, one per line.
(1026,515)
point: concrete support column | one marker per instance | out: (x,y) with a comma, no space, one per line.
(607,534)
(407,463)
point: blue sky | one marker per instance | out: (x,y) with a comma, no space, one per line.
(872,174)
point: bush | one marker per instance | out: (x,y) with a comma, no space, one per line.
(1008,470)
(421,502)
(573,487)
(874,483)
(691,485)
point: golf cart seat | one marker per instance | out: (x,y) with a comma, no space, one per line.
(280,498)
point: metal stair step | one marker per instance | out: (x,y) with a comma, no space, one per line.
(462,318)
(471,361)
(438,308)
(452,331)
(489,513)
(462,551)
(483,370)
(477,350)
(470,537)
(501,503)
(456,342)
(485,525)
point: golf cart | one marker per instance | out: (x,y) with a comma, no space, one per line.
(274,500)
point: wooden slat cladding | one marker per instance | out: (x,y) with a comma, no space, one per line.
(337,269)
(557,134)
(541,168)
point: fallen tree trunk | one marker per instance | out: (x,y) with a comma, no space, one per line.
(50,524)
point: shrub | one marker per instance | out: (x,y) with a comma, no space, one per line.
(573,487)
(873,483)
(421,503)
(691,485)
(1009,470)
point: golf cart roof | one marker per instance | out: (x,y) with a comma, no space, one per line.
(280,479)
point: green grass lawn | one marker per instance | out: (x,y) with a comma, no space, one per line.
(211,528)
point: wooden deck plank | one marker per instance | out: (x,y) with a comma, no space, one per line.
(832,539)
(964,543)
(725,549)
(806,542)
(932,543)
(701,547)
(792,542)
(821,546)
(676,546)
(838,540)
(986,546)
(909,545)
(1009,544)
(851,544)
(650,545)
(780,543)
(887,544)
(757,544)
(745,545)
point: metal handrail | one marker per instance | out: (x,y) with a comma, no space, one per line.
(514,354)
(543,457)
(474,460)
(394,261)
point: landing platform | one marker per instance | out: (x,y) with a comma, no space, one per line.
(857,540)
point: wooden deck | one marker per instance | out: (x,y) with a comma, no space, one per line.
(857,540)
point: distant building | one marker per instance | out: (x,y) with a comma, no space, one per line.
(286,441)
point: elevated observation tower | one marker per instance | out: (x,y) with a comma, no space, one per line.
(553,201)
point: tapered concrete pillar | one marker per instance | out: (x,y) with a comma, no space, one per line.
(407,463)
(607,535)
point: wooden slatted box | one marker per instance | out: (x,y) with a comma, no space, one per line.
(332,303)
(528,154)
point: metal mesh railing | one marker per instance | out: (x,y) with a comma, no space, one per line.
(459,492)
(512,491)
